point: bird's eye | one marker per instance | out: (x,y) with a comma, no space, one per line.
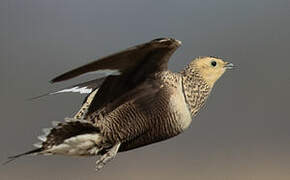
(213,63)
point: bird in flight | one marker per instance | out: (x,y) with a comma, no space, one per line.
(135,102)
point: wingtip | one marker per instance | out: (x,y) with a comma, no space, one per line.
(53,81)
(168,40)
(59,78)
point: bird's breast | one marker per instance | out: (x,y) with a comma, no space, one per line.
(179,107)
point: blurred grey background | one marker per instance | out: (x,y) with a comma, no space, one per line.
(241,134)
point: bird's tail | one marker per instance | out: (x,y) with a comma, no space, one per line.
(12,158)
(73,137)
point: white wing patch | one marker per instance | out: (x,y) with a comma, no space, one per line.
(86,89)
(81,90)
(75,89)
(106,72)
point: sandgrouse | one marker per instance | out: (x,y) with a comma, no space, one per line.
(137,101)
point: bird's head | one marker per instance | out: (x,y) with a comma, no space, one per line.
(210,68)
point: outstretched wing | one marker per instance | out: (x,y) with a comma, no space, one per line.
(127,60)
(130,68)
(151,58)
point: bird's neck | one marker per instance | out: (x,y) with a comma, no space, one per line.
(195,89)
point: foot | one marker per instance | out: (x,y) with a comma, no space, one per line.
(110,155)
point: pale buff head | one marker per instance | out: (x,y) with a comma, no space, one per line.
(209,68)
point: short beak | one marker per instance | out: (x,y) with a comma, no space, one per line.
(229,65)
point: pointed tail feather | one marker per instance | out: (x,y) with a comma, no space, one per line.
(12,158)
(75,134)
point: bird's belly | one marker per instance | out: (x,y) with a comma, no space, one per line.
(170,124)
(144,140)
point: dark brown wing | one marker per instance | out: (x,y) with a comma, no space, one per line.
(128,60)
(148,59)
(126,69)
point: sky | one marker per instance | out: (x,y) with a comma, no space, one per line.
(241,134)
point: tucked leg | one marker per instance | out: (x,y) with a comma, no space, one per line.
(110,155)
